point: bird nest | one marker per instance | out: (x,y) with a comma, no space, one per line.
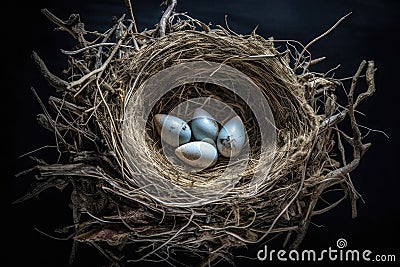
(134,204)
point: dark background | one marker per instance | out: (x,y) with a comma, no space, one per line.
(371,32)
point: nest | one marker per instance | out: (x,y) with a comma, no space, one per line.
(111,208)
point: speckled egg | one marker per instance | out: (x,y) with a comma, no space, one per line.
(231,138)
(203,125)
(173,130)
(197,154)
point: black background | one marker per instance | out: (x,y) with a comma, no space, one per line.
(371,32)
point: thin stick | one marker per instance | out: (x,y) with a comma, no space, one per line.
(318,38)
(316,61)
(60,23)
(108,35)
(75,52)
(101,69)
(165,17)
(58,83)
(130,8)
(370,83)
(169,240)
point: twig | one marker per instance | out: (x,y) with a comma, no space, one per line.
(356,131)
(60,23)
(334,119)
(54,237)
(369,76)
(316,61)
(108,35)
(169,240)
(329,207)
(318,38)
(165,17)
(101,69)
(54,127)
(58,103)
(32,152)
(130,8)
(260,57)
(75,52)
(58,83)
(227,26)
(358,146)
(354,195)
(43,186)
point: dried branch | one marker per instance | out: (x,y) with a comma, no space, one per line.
(369,76)
(316,61)
(52,79)
(128,4)
(167,14)
(102,68)
(318,38)
(43,186)
(60,23)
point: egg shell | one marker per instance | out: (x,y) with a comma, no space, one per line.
(231,138)
(197,154)
(203,125)
(173,130)
(210,141)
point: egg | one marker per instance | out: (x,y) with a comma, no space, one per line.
(197,154)
(173,130)
(203,125)
(210,141)
(231,138)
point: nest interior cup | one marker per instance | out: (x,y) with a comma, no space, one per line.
(190,188)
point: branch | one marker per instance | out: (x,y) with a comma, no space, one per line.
(358,147)
(318,38)
(42,186)
(334,119)
(165,17)
(103,67)
(316,61)
(52,79)
(130,9)
(59,22)
(369,76)
(356,131)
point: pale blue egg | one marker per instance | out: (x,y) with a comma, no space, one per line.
(203,125)
(231,138)
(173,131)
(197,154)
(210,141)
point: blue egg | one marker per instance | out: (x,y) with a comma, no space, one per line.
(203,125)
(210,141)
(173,131)
(231,138)
(197,154)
